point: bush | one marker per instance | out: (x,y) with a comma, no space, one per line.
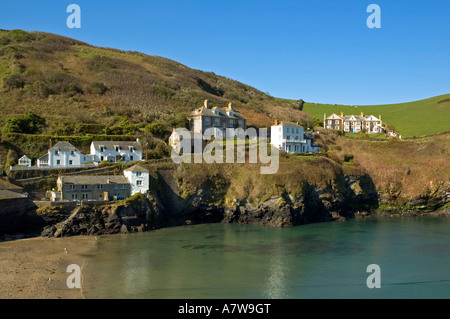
(29,123)
(14,81)
(348,157)
(155,128)
(98,88)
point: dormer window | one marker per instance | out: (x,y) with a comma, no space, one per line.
(72,153)
(56,152)
(131,149)
(102,149)
(117,148)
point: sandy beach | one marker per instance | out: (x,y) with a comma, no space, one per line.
(35,268)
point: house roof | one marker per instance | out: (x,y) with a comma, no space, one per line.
(24,158)
(290,124)
(63,147)
(136,168)
(111,145)
(93,180)
(221,112)
(44,158)
(7,194)
(5,185)
(333,116)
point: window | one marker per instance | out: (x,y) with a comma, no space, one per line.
(84,187)
(138,183)
(85,196)
(72,187)
(102,149)
(131,158)
(287,130)
(100,186)
(138,174)
(131,149)
(58,162)
(56,152)
(74,196)
(241,124)
(72,153)
(217,122)
(346,123)
(117,148)
(207,121)
(102,158)
(70,162)
(231,124)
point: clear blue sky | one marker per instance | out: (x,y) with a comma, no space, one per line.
(320,51)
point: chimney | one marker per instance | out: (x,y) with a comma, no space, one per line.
(379,117)
(362,114)
(206,104)
(50,144)
(230,105)
(276,122)
(324,116)
(342,114)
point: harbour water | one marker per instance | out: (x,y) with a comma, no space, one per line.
(231,261)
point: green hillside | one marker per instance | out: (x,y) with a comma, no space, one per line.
(419,118)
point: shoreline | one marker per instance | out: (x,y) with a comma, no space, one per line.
(35,268)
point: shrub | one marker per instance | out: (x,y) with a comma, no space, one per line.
(29,123)
(348,157)
(13,81)
(98,88)
(155,128)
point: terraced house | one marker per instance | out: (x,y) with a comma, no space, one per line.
(353,123)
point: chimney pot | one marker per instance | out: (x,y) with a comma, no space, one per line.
(206,103)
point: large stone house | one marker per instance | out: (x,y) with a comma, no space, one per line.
(208,121)
(63,155)
(290,137)
(216,119)
(116,151)
(353,123)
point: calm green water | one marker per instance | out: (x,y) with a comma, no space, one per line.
(325,260)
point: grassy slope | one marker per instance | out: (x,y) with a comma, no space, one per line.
(424,117)
(141,87)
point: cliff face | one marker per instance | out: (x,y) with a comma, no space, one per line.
(346,196)
(123,217)
(17,215)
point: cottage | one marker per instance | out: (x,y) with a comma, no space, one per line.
(102,188)
(290,137)
(353,123)
(93,188)
(24,161)
(63,155)
(116,151)
(139,179)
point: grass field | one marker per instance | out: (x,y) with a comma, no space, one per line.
(425,117)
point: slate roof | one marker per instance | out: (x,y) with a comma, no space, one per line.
(222,112)
(93,180)
(6,194)
(64,147)
(5,185)
(136,168)
(111,145)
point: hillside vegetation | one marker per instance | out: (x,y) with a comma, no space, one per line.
(71,83)
(419,118)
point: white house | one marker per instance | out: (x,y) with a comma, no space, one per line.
(139,179)
(290,137)
(116,151)
(25,161)
(63,155)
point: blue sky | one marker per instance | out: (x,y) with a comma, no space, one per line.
(319,51)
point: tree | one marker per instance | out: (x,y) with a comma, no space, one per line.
(30,123)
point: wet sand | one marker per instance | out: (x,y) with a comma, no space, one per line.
(35,268)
